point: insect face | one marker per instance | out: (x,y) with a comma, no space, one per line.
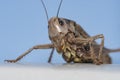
(57,27)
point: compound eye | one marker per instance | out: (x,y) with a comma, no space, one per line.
(61,22)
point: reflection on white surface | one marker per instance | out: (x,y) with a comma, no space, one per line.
(59,72)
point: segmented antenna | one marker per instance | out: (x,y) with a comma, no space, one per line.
(45,10)
(59,7)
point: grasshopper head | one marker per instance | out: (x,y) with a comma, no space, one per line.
(59,27)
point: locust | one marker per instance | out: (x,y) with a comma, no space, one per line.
(72,42)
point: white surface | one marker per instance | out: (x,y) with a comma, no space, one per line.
(59,72)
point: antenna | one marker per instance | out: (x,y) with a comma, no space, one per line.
(45,9)
(59,7)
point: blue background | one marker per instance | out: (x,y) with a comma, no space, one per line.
(23,24)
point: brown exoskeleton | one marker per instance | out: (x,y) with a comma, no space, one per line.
(71,40)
